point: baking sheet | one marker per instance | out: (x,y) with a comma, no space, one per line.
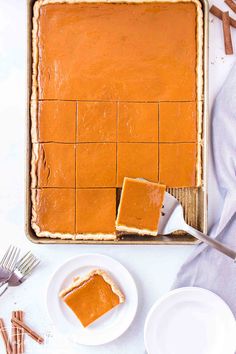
(194,200)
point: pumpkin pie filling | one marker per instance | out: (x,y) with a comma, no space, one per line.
(178,122)
(121,41)
(96,212)
(138,122)
(54,212)
(54,165)
(177,164)
(137,160)
(52,118)
(113,96)
(92,296)
(140,207)
(97,122)
(96,165)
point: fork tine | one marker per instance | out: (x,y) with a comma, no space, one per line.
(21,261)
(8,255)
(5,256)
(28,264)
(15,258)
(24,264)
(11,263)
(33,266)
(9,258)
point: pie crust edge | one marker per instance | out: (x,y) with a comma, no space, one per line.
(79,280)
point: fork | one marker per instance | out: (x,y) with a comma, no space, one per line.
(22,271)
(172,219)
(8,262)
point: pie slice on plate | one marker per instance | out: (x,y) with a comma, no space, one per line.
(91,296)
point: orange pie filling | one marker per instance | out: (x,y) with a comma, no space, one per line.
(92,296)
(140,207)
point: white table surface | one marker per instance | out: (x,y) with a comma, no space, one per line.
(153,267)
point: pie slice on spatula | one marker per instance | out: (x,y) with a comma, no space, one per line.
(140,207)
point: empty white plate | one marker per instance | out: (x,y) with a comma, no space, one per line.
(109,326)
(190,321)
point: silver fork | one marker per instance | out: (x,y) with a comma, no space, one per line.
(22,271)
(172,219)
(8,262)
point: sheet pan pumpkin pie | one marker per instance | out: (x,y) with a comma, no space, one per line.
(116,92)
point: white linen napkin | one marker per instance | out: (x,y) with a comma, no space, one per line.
(206,267)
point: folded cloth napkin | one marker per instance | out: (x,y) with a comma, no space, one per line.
(206,267)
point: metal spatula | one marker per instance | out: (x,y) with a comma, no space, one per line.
(172,219)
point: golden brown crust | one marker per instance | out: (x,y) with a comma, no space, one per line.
(134,230)
(78,281)
(99,237)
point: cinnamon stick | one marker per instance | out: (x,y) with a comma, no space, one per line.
(218,13)
(21,346)
(27,330)
(4,335)
(14,334)
(231,4)
(17,334)
(227,33)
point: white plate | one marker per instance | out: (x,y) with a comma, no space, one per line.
(190,321)
(109,326)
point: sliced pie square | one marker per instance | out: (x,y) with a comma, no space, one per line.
(56,121)
(137,160)
(95,211)
(178,164)
(140,207)
(91,296)
(178,122)
(96,165)
(138,122)
(96,122)
(54,165)
(54,212)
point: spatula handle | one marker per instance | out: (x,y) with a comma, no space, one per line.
(211,242)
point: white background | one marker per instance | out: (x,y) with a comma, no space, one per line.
(153,267)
